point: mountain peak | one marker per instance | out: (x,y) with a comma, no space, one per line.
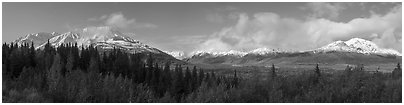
(357,39)
(357,45)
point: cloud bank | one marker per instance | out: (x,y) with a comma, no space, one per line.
(273,31)
(118,20)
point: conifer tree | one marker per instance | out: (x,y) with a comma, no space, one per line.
(397,71)
(194,80)
(273,71)
(154,82)
(70,63)
(167,76)
(178,84)
(235,79)
(188,80)
(104,63)
(317,70)
(16,62)
(32,55)
(148,76)
(54,73)
(201,77)
(94,66)
(47,47)
(398,66)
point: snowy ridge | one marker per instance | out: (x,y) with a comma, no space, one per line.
(264,51)
(258,51)
(101,34)
(103,37)
(37,38)
(357,45)
(219,53)
(132,47)
(177,54)
(68,37)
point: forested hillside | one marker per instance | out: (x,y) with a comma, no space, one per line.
(72,74)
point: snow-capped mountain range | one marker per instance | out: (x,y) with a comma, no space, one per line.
(108,38)
(104,37)
(354,45)
(219,53)
(258,51)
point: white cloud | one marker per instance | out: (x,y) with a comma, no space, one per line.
(389,40)
(273,31)
(120,21)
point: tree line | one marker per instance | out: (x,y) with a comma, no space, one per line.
(67,71)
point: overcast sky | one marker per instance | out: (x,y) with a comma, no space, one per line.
(216,26)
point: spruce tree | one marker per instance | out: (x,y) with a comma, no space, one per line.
(70,63)
(397,71)
(188,80)
(317,70)
(194,80)
(273,71)
(16,62)
(47,47)
(94,66)
(167,76)
(32,55)
(235,79)
(178,84)
(155,78)
(54,73)
(201,77)
(398,66)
